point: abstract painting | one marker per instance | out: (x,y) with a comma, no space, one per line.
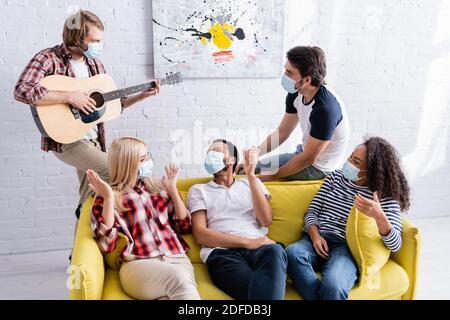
(218,38)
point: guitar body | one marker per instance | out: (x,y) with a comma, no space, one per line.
(65,124)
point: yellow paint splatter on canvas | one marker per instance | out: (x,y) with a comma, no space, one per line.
(219,35)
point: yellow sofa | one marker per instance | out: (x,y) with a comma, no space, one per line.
(91,278)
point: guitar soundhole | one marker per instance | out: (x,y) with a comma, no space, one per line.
(98,97)
(98,113)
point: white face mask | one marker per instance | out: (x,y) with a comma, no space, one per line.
(288,84)
(350,171)
(95,50)
(214,162)
(146,169)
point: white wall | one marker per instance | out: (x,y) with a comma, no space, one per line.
(389,61)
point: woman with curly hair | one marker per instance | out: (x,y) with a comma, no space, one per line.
(373,181)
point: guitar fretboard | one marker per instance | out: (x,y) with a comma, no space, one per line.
(117,94)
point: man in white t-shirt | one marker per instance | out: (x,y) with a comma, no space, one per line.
(230,219)
(322,118)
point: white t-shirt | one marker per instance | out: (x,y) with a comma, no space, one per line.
(228,210)
(82,72)
(324,118)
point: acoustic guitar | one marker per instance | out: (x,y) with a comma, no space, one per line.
(66,124)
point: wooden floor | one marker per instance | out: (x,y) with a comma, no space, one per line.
(43,275)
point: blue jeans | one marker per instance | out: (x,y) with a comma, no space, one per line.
(339,272)
(279,160)
(245,274)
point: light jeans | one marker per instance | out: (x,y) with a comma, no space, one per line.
(339,272)
(279,160)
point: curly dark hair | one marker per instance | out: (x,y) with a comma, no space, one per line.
(384,172)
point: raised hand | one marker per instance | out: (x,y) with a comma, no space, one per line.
(250,160)
(99,186)
(371,208)
(169,180)
(239,168)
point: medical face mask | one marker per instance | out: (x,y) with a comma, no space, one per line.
(288,84)
(350,171)
(214,162)
(95,50)
(146,169)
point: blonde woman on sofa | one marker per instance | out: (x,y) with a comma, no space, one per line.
(373,181)
(151,214)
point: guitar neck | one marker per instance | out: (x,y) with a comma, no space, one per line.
(120,93)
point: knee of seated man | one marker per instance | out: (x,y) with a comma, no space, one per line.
(276,251)
(332,290)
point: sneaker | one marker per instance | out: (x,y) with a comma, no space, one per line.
(78,211)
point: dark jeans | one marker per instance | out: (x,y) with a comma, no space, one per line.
(279,160)
(245,274)
(339,272)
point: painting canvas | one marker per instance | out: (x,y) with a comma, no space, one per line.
(218,38)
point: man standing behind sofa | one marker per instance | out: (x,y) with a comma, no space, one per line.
(322,117)
(230,219)
(78,57)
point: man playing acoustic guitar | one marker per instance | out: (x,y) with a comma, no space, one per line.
(76,57)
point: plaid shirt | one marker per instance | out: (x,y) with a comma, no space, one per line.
(150,225)
(52,61)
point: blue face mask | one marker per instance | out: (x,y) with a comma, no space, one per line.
(288,84)
(350,171)
(214,162)
(146,169)
(95,50)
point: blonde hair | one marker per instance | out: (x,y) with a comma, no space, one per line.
(123,164)
(77,25)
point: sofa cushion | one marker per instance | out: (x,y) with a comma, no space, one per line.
(290,200)
(409,256)
(194,252)
(389,283)
(87,265)
(113,289)
(366,245)
(112,258)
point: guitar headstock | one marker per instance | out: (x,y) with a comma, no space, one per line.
(172,78)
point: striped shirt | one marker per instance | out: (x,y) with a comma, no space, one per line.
(150,224)
(331,206)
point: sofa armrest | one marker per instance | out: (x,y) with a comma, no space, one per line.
(408,256)
(87,265)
